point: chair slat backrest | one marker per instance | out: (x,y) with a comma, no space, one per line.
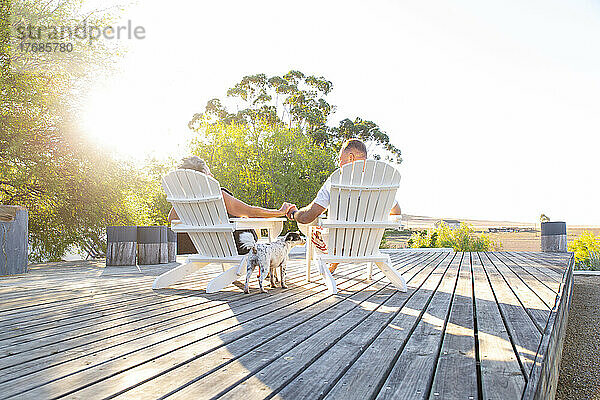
(198,201)
(362,191)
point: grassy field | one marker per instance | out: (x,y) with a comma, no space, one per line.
(509,241)
(531,241)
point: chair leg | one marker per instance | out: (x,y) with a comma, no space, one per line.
(176,274)
(309,255)
(393,275)
(328,278)
(370,272)
(226,278)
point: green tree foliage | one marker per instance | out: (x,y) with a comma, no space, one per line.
(267,165)
(71,188)
(582,246)
(461,239)
(296,101)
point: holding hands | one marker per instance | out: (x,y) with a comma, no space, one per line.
(285,208)
(291,211)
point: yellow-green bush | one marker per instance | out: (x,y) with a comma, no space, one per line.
(461,239)
(582,246)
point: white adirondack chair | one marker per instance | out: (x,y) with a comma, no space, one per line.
(362,196)
(198,201)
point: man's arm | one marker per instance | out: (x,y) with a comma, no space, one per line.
(307,214)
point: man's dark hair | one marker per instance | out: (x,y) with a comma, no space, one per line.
(354,145)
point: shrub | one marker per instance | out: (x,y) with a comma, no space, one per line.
(461,239)
(422,239)
(582,246)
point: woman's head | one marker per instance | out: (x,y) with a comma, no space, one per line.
(195,163)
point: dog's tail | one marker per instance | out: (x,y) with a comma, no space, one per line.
(248,242)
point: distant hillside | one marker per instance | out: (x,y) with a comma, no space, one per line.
(510,241)
(422,222)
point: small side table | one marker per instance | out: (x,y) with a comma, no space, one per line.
(274,225)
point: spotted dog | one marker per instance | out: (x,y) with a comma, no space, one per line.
(268,257)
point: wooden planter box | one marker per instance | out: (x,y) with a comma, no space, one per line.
(14,226)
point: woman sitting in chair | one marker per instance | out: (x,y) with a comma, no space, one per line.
(234,207)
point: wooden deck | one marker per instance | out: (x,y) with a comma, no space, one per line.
(471,326)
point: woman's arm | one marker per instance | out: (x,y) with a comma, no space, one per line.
(238,208)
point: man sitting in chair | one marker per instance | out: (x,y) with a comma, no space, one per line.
(352,150)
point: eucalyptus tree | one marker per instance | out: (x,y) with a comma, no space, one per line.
(296,101)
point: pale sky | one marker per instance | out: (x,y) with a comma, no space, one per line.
(493,104)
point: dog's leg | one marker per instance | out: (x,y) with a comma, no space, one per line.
(263,271)
(249,270)
(273,276)
(282,271)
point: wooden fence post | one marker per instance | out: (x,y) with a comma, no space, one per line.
(121,243)
(14,226)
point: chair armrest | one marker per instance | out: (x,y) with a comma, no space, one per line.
(212,228)
(397,219)
(346,224)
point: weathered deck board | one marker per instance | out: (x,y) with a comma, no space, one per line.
(156,336)
(548,277)
(269,340)
(472,325)
(412,371)
(534,264)
(538,286)
(190,329)
(193,300)
(524,334)
(267,328)
(457,356)
(138,321)
(371,368)
(531,302)
(499,364)
(328,347)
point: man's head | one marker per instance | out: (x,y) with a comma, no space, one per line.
(352,150)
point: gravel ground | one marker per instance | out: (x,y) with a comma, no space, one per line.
(580,366)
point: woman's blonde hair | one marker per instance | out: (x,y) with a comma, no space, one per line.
(195,163)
